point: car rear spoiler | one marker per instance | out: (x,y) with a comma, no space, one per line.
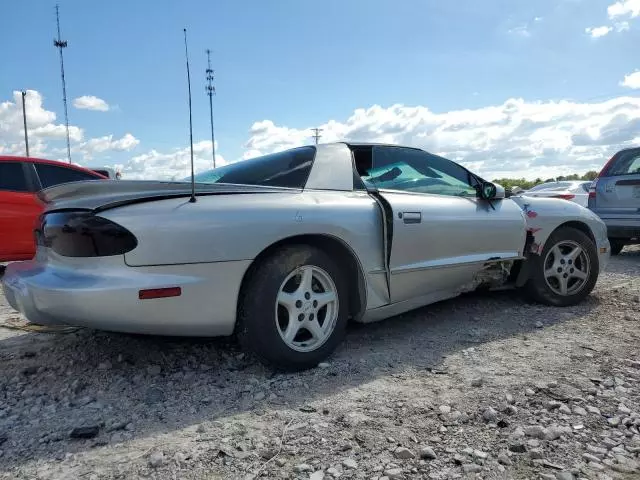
(103,194)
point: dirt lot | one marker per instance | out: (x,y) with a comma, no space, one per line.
(484,385)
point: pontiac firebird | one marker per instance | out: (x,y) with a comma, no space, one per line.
(284,249)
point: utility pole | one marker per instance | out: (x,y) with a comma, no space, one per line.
(60,44)
(317,134)
(211,90)
(24,119)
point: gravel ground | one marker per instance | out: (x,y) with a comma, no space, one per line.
(484,386)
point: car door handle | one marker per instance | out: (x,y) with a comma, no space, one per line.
(411,217)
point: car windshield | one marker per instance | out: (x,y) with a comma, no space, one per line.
(283,169)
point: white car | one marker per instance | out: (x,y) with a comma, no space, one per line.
(574,190)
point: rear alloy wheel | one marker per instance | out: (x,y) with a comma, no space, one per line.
(293,312)
(567,270)
(617,245)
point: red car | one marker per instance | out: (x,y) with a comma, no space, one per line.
(20,180)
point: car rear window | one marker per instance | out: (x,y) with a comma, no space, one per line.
(51,175)
(628,163)
(290,169)
(12,177)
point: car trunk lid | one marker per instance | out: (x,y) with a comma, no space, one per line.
(100,195)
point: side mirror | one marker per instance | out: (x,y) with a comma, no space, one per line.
(491,191)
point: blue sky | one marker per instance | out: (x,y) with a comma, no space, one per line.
(300,64)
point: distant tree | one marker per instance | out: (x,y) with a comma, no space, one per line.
(527,184)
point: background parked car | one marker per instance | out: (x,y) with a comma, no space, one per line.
(615,197)
(20,180)
(108,172)
(575,190)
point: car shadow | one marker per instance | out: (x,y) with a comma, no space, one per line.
(53,383)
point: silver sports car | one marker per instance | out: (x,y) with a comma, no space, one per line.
(284,249)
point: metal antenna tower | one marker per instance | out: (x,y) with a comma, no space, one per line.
(60,44)
(317,134)
(211,90)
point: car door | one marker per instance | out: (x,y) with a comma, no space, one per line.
(441,233)
(19,210)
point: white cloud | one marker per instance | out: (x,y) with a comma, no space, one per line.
(90,102)
(622,26)
(517,138)
(41,126)
(597,32)
(173,165)
(46,138)
(632,80)
(619,13)
(520,30)
(624,8)
(105,144)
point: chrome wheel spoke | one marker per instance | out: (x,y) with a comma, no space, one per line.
(557,254)
(579,274)
(315,329)
(292,330)
(324,298)
(563,285)
(551,272)
(287,300)
(306,279)
(574,254)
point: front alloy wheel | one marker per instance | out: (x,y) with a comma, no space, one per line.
(566,271)
(567,268)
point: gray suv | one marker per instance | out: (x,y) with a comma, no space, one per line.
(615,197)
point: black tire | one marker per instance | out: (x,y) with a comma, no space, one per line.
(537,287)
(617,245)
(257,331)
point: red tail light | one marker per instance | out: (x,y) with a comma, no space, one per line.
(566,196)
(592,189)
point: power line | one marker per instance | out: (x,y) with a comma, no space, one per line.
(24,119)
(60,44)
(317,134)
(211,90)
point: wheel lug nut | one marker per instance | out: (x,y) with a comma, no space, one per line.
(315,303)
(570,261)
(298,303)
(301,317)
(559,270)
(311,316)
(562,261)
(307,295)
(571,270)
(565,275)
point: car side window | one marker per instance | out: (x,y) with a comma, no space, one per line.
(414,170)
(51,175)
(12,177)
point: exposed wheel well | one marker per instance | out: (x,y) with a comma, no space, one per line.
(583,227)
(338,250)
